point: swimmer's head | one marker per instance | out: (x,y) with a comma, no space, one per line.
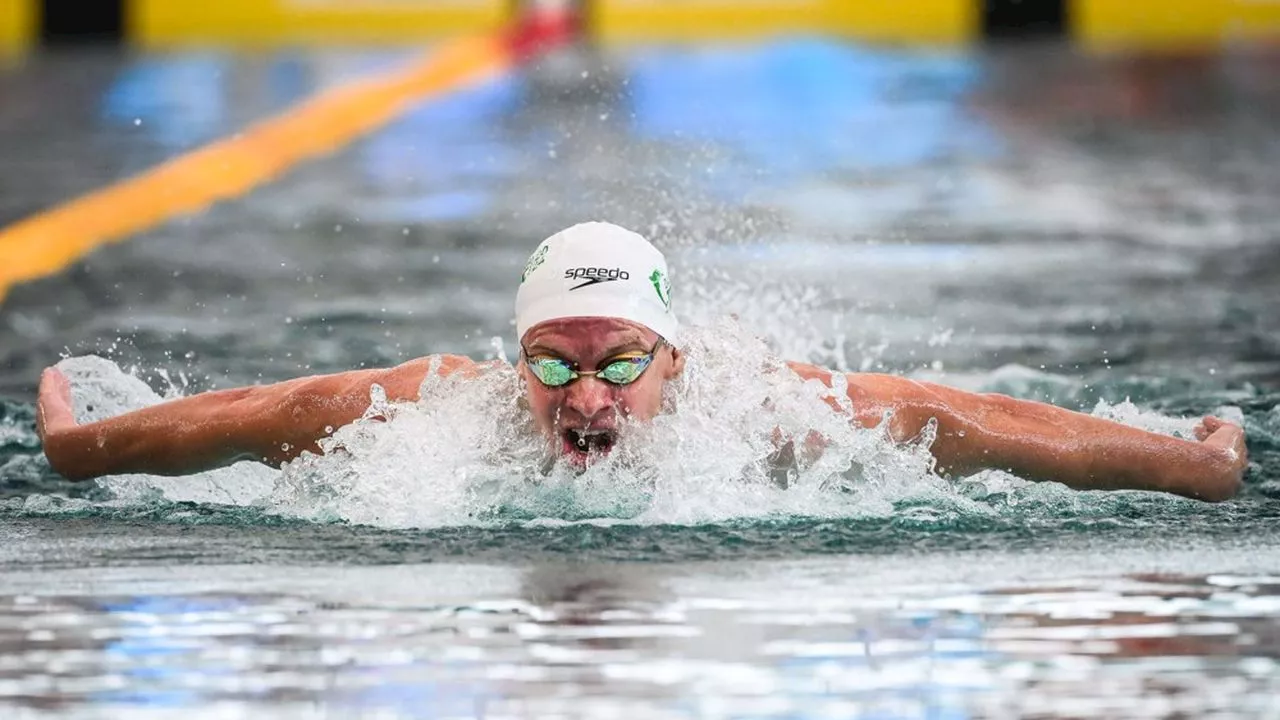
(594,318)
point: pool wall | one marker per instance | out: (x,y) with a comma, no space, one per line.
(1099,24)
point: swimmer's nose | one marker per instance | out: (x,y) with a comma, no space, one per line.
(590,397)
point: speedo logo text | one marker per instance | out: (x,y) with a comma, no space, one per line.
(593,276)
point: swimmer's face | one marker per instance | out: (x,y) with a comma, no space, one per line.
(589,411)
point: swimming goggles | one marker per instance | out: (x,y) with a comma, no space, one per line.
(620,370)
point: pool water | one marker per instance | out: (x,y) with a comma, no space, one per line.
(1096,232)
(949,633)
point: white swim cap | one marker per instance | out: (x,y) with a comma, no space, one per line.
(596,269)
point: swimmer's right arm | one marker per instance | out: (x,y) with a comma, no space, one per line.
(266,423)
(1038,441)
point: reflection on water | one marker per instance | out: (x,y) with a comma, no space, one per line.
(646,641)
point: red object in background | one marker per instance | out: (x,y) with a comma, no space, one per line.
(544,24)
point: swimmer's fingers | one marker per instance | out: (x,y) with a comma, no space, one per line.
(1207,426)
(1226,435)
(53,405)
(1226,458)
(1229,439)
(1201,432)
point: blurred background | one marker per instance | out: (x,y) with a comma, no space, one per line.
(938,187)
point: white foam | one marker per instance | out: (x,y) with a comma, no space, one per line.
(100,389)
(1129,414)
(467,453)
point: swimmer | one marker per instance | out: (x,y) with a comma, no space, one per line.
(597,345)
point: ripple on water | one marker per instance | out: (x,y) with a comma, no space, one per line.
(702,462)
(953,635)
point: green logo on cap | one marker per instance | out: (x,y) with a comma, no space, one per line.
(661,286)
(536,260)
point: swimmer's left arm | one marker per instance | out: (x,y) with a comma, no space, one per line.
(1037,441)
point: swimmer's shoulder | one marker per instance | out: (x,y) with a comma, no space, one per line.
(860,383)
(403,381)
(869,392)
(444,365)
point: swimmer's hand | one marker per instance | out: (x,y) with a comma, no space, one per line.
(1226,441)
(55,421)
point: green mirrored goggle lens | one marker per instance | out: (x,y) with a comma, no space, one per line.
(624,372)
(552,372)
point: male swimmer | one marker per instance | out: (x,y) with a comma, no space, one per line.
(597,345)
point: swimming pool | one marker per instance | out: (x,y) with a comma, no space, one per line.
(1096,232)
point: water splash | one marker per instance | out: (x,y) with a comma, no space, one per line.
(467,452)
(731,446)
(426,463)
(101,389)
(1129,414)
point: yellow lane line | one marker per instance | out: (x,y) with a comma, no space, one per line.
(48,242)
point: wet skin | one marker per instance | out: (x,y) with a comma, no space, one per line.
(975,431)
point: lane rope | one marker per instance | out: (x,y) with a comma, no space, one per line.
(50,241)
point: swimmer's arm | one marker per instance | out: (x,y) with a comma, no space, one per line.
(266,423)
(1038,441)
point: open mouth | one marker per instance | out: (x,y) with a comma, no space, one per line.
(580,444)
